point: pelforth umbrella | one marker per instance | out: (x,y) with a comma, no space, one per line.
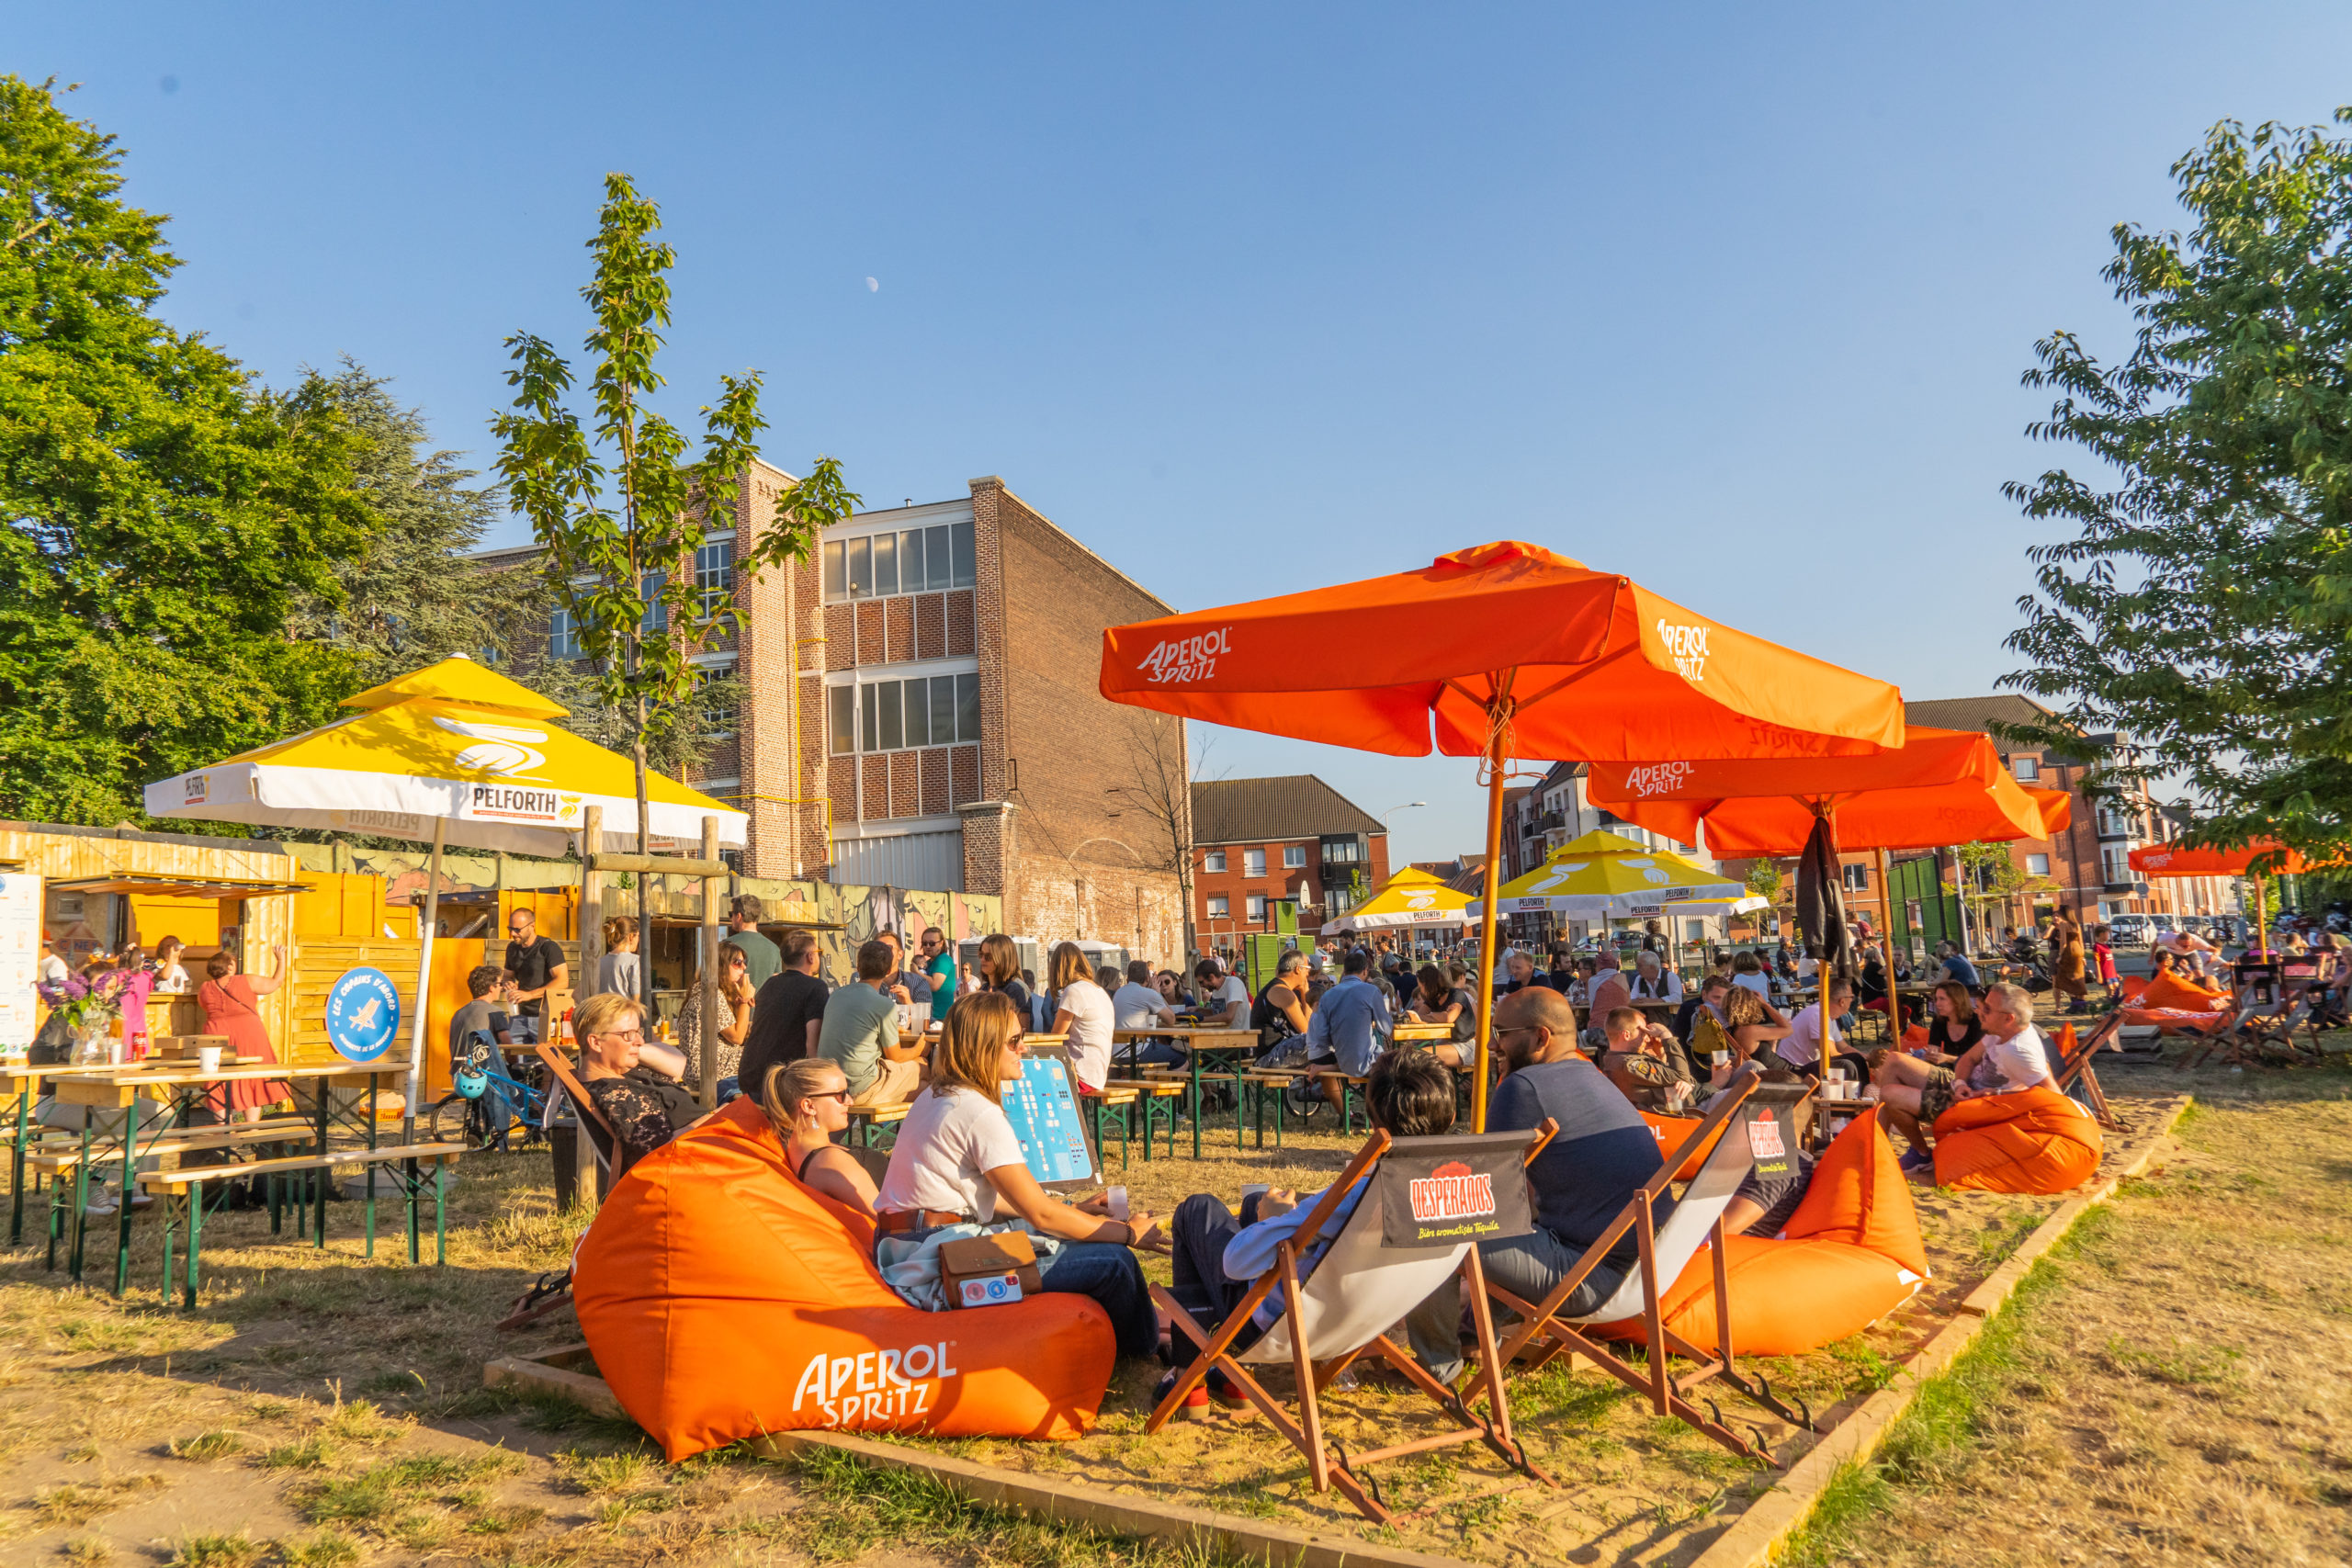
(1940,787)
(1413,899)
(452,754)
(1498,652)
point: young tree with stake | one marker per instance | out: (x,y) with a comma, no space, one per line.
(620,562)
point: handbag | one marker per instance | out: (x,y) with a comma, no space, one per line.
(984,1260)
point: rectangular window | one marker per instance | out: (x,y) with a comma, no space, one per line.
(721,717)
(917,713)
(968,707)
(836,569)
(841,704)
(869,697)
(1216,861)
(911,579)
(715,574)
(940,570)
(967,567)
(1220,907)
(1857,878)
(2036,866)
(943,710)
(2116,858)
(2026,770)
(861,567)
(1253,863)
(563,636)
(1339,900)
(656,613)
(886,564)
(894,733)
(1294,855)
(1257,906)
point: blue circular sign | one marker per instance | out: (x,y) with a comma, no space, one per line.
(363,1014)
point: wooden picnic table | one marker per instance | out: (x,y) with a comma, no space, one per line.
(183,1082)
(1199,1041)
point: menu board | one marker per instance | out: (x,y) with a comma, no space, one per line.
(19,957)
(1043,1106)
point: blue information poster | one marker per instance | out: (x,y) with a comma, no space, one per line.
(1041,1105)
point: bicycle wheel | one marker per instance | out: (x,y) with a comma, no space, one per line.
(448,1122)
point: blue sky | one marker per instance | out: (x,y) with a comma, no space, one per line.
(1731,299)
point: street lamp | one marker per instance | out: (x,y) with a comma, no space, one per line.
(1394,809)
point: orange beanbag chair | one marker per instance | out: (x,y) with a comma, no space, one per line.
(2036,1140)
(723,1300)
(2179,991)
(1670,1132)
(1851,1254)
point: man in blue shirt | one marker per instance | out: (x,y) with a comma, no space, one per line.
(1348,1026)
(1957,968)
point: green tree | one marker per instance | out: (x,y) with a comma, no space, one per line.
(621,565)
(2204,605)
(1764,879)
(165,512)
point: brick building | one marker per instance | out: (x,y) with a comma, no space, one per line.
(1255,842)
(919,711)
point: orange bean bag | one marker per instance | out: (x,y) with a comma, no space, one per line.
(2179,991)
(724,1300)
(1670,1132)
(2036,1140)
(1851,1254)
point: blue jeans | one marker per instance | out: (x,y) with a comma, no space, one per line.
(1150,1053)
(1528,1267)
(1109,1273)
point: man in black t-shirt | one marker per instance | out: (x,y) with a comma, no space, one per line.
(785,1014)
(538,965)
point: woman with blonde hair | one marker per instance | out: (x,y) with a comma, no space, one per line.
(618,972)
(807,1102)
(644,1108)
(957,1161)
(734,1014)
(1753,1023)
(1083,1015)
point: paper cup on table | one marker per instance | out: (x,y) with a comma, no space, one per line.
(208,1058)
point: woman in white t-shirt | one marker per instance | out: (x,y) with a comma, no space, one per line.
(1082,1015)
(171,979)
(958,1161)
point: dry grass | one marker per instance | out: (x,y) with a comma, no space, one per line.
(2170,1388)
(329,1408)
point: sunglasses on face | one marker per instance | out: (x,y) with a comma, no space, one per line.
(626,1034)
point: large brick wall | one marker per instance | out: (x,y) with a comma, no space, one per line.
(1086,861)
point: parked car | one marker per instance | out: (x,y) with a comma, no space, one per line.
(2131,930)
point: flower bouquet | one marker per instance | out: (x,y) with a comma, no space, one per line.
(82,1009)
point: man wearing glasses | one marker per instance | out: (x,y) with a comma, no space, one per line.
(538,967)
(939,969)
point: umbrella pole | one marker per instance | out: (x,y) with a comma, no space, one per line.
(1887,940)
(1486,948)
(427,923)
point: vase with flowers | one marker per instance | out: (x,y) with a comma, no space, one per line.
(82,1013)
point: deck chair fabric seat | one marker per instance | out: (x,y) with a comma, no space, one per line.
(2173,991)
(2036,1140)
(724,1300)
(2180,1020)
(1851,1254)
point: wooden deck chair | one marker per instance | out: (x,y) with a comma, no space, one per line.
(2074,1063)
(1424,1200)
(600,1134)
(1765,1131)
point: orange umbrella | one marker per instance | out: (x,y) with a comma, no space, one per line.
(1499,651)
(2180,860)
(1940,787)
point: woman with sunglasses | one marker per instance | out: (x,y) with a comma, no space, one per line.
(808,1103)
(644,1108)
(957,1161)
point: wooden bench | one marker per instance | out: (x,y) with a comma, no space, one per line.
(61,1153)
(1161,1101)
(863,1119)
(181,1190)
(1099,1103)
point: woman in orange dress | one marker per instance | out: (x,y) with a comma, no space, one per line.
(230,1008)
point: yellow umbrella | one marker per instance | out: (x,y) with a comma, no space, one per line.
(453,753)
(1411,898)
(1601,875)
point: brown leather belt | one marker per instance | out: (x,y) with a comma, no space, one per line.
(897,1221)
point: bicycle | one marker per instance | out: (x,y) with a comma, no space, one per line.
(464,1114)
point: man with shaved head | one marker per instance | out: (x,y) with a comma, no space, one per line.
(1602,1153)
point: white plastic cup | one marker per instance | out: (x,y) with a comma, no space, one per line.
(1117,1200)
(1837,1075)
(208,1058)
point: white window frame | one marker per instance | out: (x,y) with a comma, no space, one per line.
(1212,861)
(839,560)
(1220,907)
(1255,905)
(1253,863)
(1293,857)
(1855,876)
(563,635)
(2026,770)
(714,569)
(2042,869)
